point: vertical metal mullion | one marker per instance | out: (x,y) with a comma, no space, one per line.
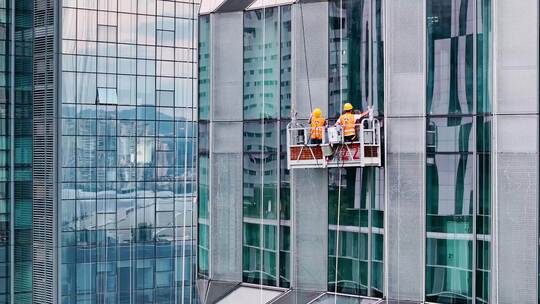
(386,85)
(371,176)
(211,20)
(278,196)
(12,157)
(474,154)
(292,198)
(262,153)
(424,202)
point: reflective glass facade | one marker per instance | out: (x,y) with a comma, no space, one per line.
(356,58)
(356,195)
(22,152)
(458,146)
(266,190)
(127,148)
(16,151)
(435,223)
(204,145)
(356,212)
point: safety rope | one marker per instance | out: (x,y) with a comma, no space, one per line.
(339,167)
(306,57)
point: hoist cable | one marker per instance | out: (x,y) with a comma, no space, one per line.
(306,57)
(336,270)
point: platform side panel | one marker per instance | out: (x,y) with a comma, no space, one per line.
(310,229)
(405,165)
(227,50)
(313,55)
(517,208)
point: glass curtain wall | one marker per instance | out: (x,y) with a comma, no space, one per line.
(16,151)
(356,195)
(127,151)
(266,184)
(458,146)
(5,148)
(22,179)
(204,147)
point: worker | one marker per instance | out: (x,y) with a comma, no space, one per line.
(317,124)
(348,122)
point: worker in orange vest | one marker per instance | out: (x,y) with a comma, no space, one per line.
(348,122)
(317,123)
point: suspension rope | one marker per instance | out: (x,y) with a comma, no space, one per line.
(341,51)
(306,56)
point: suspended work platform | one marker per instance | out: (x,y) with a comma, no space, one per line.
(334,151)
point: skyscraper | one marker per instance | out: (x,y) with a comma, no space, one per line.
(97,151)
(452,214)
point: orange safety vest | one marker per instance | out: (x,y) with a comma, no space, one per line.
(317,124)
(347,121)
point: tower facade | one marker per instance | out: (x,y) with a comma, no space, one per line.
(450,217)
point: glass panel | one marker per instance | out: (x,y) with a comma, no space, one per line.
(128,171)
(261,63)
(259,254)
(266,182)
(351,35)
(458,138)
(378,57)
(450,197)
(449,271)
(286,67)
(450,134)
(356,196)
(450,40)
(355,201)
(204,67)
(341,299)
(483,56)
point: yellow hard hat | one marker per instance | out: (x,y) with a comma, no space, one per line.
(317,112)
(347,107)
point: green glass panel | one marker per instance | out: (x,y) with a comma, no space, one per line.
(452,134)
(449,194)
(483,133)
(378,58)
(285,176)
(261,63)
(450,43)
(350,22)
(352,263)
(285,256)
(203,252)
(23,282)
(483,56)
(204,67)
(204,180)
(377,264)
(261,184)
(259,266)
(356,193)
(482,286)
(266,180)
(23,214)
(285,67)
(483,219)
(449,271)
